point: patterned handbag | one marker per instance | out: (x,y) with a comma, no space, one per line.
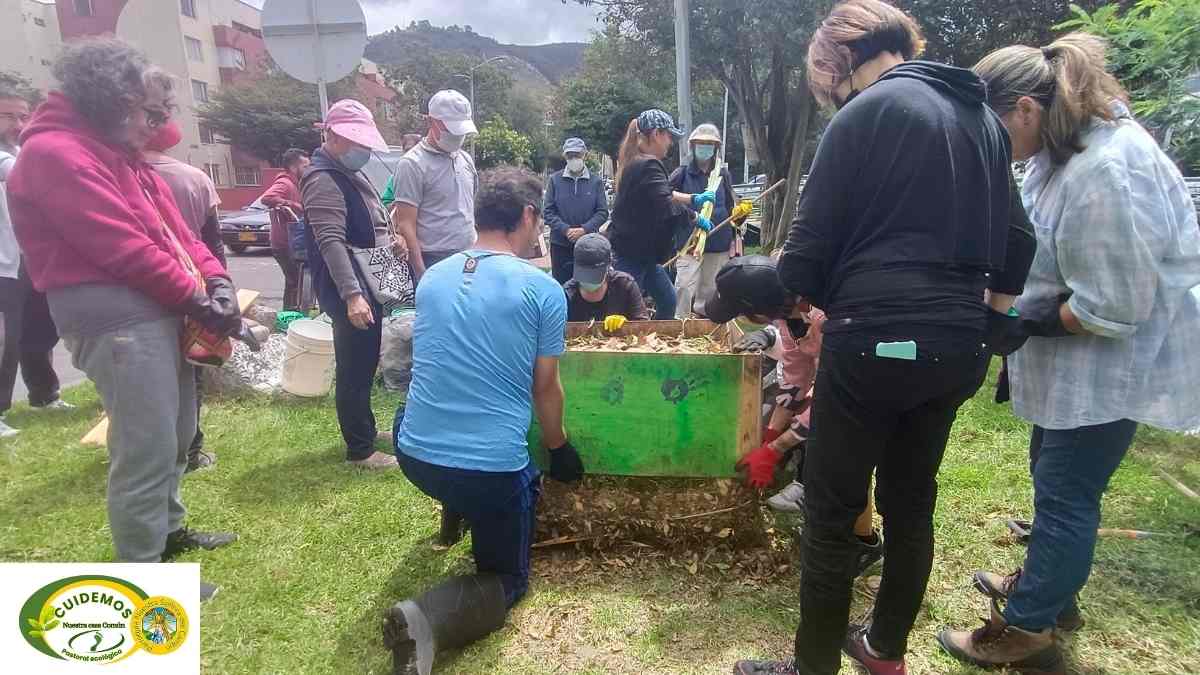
(386,275)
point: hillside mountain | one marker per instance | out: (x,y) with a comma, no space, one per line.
(542,67)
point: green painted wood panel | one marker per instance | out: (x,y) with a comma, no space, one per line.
(633,414)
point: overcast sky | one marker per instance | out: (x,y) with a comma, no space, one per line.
(522,22)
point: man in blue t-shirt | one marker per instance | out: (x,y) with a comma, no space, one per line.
(489,330)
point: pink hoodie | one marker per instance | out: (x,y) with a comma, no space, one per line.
(81,216)
(799,357)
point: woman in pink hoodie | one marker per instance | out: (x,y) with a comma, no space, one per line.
(102,237)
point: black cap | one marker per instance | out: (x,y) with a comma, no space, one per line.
(747,285)
(593,255)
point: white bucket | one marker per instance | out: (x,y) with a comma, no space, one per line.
(308,361)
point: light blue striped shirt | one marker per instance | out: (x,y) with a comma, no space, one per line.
(1116,228)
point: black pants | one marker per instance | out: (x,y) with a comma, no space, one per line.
(291,279)
(357,355)
(562,262)
(873,413)
(29,339)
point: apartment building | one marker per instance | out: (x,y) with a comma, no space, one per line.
(206,44)
(30,38)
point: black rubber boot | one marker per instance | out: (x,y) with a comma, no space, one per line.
(453,614)
(451,531)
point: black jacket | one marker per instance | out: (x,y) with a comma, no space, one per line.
(644,217)
(906,210)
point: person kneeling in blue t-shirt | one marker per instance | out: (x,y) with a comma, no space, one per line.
(489,330)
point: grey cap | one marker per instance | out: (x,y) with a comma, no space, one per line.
(657,119)
(574,145)
(593,255)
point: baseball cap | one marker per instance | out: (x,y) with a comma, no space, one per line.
(657,119)
(574,145)
(593,255)
(454,110)
(354,122)
(166,137)
(746,285)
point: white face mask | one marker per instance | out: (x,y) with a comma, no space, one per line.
(575,165)
(450,142)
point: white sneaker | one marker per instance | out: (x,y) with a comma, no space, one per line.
(56,404)
(7,431)
(788,500)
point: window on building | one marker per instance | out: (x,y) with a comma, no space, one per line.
(206,135)
(195,50)
(188,7)
(200,91)
(39,21)
(247,176)
(214,172)
(389,111)
(83,7)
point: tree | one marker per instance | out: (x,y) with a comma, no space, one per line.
(424,73)
(268,115)
(1155,49)
(499,144)
(756,50)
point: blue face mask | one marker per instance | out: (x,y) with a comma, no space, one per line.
(704,153)
(355,158)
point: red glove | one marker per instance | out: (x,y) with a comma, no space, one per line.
(769,435)
(760,465)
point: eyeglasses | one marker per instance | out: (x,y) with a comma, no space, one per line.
(155,117)
(14,117)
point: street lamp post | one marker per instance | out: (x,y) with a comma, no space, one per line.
(470,75)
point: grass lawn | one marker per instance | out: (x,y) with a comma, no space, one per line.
(325,548)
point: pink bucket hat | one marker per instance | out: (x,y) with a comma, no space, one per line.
(354,122)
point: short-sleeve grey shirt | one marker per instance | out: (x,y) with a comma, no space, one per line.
(442,188)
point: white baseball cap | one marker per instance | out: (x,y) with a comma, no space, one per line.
(454,110)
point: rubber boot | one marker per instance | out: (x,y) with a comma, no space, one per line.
(453,614)
(451,531)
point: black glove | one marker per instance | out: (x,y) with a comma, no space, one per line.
(1006,333)
(1044,318)
(216,316)
(758,341)
(1003,395)
(565,465)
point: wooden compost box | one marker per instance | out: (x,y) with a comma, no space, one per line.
(660,413)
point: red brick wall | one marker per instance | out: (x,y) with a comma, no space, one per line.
(235,198)
(103,19)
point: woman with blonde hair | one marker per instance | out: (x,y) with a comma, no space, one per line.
(1110,312)
(902,228)
(647,209)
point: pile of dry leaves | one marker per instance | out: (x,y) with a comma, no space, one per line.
(648,344)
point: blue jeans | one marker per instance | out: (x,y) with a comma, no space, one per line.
(652,279)
(1071,470)
(498,505)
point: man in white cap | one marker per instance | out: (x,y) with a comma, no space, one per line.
(343,209)
(435,186)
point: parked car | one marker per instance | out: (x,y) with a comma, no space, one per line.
(248,227)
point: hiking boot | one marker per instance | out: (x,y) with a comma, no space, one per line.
(855,646)
(7,431)
(207,591)
(200,459)
(453,614)
(788,500)
(451,531)
(998,644)
(56,404)
(377,460)
(184,539)
(765,668)
(1000,587)
(868,553)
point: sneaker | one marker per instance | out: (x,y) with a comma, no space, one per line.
(999,645)
(200,459)
(765,668)
(207,591)
(1000,587)
(855,646)
(184,539)
(869,554)
(788,500)
(56,404)
(377,460)
(7,431)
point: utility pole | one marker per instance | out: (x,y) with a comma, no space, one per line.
(683,74)
(725,127)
